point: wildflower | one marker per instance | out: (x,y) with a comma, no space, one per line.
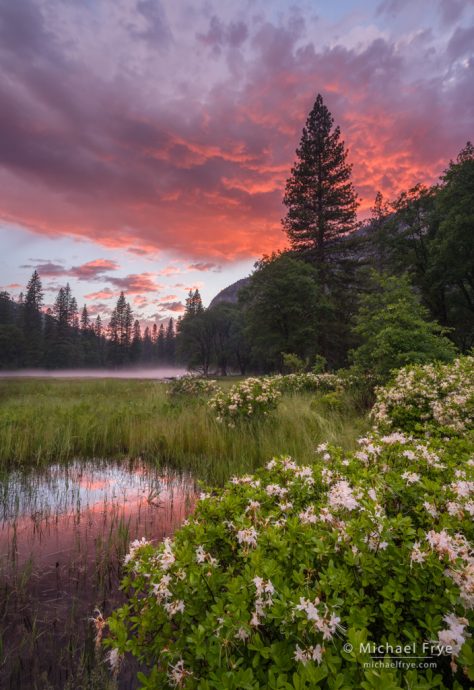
(430,508)
(167,557)
(174,607)
(99,624)
(454,636)
(309,654)
(276,490)
(308,516)
(242,634)
(177,674)
(416,555)
(341,496)
(161,588)
(247,536)
(411,477)
(134,546)
(114,659)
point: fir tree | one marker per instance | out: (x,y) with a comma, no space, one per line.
(136,346)
(147,346)
(33,321)
(319,195)
(193,304)
(98,326)
(161,343)
(170,342)
(85,322)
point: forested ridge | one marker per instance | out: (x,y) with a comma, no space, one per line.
(396,289)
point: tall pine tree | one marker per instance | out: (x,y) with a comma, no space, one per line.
(33,321)
(319,195)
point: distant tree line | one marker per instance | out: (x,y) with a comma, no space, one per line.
(394,290)
(62,337)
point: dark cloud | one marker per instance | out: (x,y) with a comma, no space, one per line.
(452,10)
(135,283)
(157,31)
(220,34)
(461,43)
(205,266)
(92,270)
(177,307)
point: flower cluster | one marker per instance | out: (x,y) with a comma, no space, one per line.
(277,571)
(253,398)
(192,386)
(436,396)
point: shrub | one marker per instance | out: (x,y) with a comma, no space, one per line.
(295,383)
(439,397)
(292,364)
(395,330)
(277,573)
(332,402)
(253,398)
(193,386)
(291,577)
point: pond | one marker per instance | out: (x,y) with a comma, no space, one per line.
(63,534)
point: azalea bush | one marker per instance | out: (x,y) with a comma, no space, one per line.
(291,577)
(436,397)
(295,383)
(192,386)
(250,399)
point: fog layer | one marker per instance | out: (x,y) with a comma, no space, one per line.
(142,373)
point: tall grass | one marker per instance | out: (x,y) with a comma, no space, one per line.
(44,421)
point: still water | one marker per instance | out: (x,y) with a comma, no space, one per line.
(63,534)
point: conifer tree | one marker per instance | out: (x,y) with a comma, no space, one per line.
(193,304)
(161,343)
(319,195)
(136,346)
(98,326)
(147,345)
(170,342)
(33,321)
(85,323)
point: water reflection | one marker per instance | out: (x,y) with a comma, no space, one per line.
(63,535)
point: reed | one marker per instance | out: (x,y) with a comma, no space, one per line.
(54,421)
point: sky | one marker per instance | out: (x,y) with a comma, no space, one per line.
(145,144)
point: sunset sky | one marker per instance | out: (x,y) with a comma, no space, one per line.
(145,144)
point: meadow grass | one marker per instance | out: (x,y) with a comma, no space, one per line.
(42,421)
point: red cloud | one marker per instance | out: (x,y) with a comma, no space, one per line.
(203,174)
(106,293)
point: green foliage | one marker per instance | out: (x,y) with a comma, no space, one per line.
(394,329)
(286,578)
(283,307)
(430,233)
(452,248)
(319,364)
(292,364)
